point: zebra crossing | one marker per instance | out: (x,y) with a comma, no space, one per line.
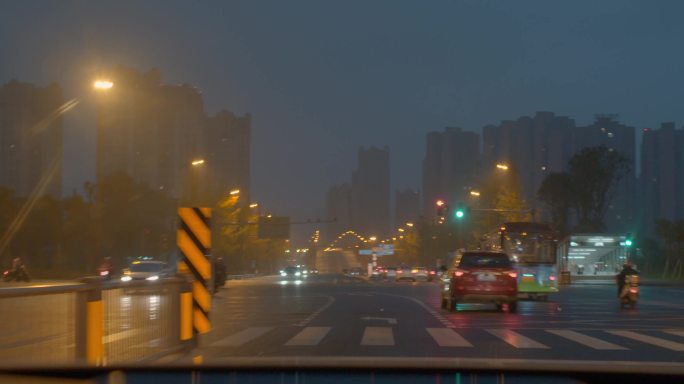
(442,337)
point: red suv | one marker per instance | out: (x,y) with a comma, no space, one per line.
(482,277)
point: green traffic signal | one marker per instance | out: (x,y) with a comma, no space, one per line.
(628,242)
(460,214)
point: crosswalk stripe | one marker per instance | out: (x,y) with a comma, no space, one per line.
(309,336)
(515,339)
(589,341)
(676,333)
(447,337)
(378,336)
(658,342)
(242,337)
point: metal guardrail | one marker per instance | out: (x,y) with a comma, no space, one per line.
(95,322)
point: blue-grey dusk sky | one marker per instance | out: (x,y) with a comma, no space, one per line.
(322,78)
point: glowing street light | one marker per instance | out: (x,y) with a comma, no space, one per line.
(254,205)
(502,166)
(409,224)
(103,84)
(401,229)
(372,238)
(197,162)
(474,193)
(235,192)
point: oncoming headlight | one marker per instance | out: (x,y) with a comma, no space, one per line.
(152,278)
(126,278)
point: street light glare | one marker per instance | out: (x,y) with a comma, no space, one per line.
(253,205)
(409,224)
(474,193)
(502,167)
(235,192)
(103,84)
(197,162)
(372,238)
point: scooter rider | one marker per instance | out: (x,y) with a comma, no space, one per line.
(627,270)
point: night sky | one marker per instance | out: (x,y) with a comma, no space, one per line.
(322,78)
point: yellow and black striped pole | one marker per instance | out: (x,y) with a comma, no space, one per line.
(194,242)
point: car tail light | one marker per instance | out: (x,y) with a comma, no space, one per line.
(459,273)
(552,278)
(432,272)
(512,274)
(400,271)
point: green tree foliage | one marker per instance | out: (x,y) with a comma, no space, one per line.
(557,193)
(595,172)
(587,188)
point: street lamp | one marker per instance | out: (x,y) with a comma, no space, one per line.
(502,166)
(474,193)
(235,192)
(253,205)
(372,238)
(197,162)
(103,84)
(409,224)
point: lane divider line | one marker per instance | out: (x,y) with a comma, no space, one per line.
(306,321)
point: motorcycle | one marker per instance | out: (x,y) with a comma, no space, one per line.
(630,291)
(19,274)
(105,272)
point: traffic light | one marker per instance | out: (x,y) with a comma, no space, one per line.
(628,240)
(460,211)
(441,207)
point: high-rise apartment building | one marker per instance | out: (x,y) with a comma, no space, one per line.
(609,132)
(370,192)
(450,166)
(149,130)
(31,139)
(406,207)
(533,146)
(228,143)
(662,175)
(338,208)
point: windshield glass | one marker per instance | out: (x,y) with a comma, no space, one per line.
(530,249)
(146,267)
(484,260)
(310,182)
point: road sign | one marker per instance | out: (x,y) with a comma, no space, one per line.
(194,242)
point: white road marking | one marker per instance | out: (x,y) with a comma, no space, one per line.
(447,337)
(517,340)
(306,321)
(378,336)
(675,332)
(242,337)
(589,341)
(309,336)
(389,320)
(658,342)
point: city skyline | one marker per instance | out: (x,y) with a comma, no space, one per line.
(298,70)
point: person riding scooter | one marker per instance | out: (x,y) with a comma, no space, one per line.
(106,269)
(627,270)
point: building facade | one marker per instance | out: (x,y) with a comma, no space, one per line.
(370,192)
(661,192)
(337,208)
(406,207)
(154,132)
(31,139)
(450,166)
(228,143)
